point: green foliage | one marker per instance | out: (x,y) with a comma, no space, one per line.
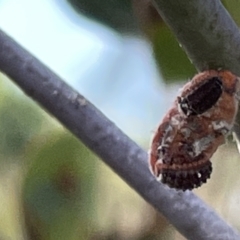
(116,14)
(58,196)
(58,171)
(20,120)
(171,58)
(233,8)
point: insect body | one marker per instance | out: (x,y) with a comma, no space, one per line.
(201,117)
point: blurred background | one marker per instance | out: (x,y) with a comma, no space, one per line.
(122,57)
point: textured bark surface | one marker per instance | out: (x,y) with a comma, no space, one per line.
(206,32)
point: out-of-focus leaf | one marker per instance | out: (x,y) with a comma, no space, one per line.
(234,9)
(116,14)
(170,57)
(19,120)
(58,192)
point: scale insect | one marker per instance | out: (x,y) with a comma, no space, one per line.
(194,127)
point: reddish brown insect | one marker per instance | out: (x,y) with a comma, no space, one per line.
(201,117)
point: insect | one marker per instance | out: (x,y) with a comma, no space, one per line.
(194,127)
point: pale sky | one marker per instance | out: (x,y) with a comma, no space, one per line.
(117,74)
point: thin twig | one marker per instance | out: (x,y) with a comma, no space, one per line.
(206,32)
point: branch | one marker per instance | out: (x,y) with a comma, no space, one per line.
(192,217)
(206,32)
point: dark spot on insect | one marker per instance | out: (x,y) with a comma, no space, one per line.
(203,98)
(161,151)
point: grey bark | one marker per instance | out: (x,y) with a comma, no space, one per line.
(206,32)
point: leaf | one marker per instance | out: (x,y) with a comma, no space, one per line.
(116,14)
(20,120)
(171,59)
(58,198)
